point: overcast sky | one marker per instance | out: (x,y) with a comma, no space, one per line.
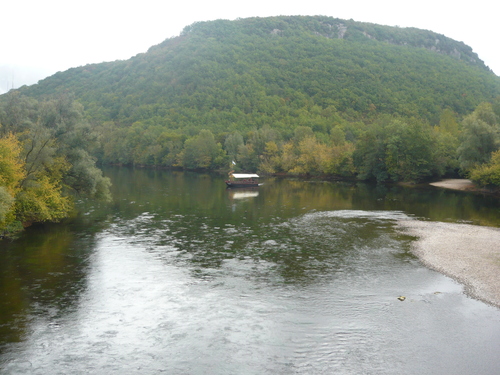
(41,37)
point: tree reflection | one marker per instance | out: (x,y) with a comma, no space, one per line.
(42,273)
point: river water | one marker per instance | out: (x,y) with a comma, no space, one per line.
(180,276)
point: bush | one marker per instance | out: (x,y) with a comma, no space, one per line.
(488,175)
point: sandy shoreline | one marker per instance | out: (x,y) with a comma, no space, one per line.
(467,253)
(455,184)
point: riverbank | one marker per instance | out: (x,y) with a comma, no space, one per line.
(467,253)
(465,185)
(456,184)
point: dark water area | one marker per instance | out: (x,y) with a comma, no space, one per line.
(179,275)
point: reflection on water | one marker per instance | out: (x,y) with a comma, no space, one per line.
(243,193)
(182,276)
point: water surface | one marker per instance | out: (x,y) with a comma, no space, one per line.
(181,276)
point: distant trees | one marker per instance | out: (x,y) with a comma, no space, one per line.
(202,152)
(479,138)
(232,143)
(410,151)
(400,150)
(478,153)
(381,148)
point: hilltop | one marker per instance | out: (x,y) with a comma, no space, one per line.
(227,75)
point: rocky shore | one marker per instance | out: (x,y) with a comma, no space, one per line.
(467,253)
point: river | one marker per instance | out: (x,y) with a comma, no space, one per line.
(178,275)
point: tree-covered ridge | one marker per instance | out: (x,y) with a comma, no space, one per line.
(234,75)
(335,28)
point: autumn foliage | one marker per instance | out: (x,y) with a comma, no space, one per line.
(43,162)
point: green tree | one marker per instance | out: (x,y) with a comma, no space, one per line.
(6,204)
(42,200)
(247,158)
(485,112)
(337,136)
(312,156)
(410,151)
(371,150)
(479,138)
(202,152)
(171,145)
(289,156)
(448,122)
(85,178)
(402,150)
(301,133)
(232,143)
(445,151)
(488,175)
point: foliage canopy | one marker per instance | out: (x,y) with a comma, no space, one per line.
(283,71)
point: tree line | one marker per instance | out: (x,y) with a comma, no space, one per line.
(49,151)
(384,148)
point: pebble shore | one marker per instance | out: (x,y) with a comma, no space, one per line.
(469,254)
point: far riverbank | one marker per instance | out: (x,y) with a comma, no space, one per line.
(455,184)
(464,184)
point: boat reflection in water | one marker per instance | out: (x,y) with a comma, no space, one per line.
(243,193)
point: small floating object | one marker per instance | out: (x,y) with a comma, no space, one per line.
(242,180)
(401,298)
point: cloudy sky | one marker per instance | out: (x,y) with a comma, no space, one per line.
(41,37)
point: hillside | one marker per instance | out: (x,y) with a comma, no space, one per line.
(280,71)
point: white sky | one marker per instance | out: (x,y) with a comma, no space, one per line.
(42,37)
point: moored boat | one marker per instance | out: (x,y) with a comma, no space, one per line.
(242,180)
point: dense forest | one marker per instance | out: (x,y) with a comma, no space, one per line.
(279,95)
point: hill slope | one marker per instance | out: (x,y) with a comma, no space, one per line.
(282,71)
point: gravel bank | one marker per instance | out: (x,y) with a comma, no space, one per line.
(455,184)
(467,253)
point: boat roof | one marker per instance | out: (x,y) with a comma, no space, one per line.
(245,175)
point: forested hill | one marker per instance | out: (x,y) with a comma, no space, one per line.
(283,72)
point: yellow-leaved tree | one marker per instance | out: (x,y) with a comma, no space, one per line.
(45,161)
(41,196)
(12,173)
